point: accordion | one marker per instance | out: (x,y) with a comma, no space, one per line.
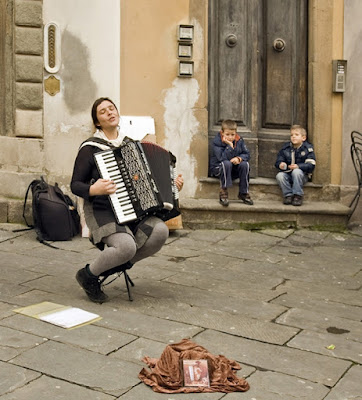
(144,174)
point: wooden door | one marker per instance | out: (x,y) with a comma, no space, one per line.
(258,73)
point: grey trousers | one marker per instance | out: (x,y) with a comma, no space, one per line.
(122,247)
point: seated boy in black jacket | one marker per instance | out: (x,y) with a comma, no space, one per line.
(230,161)
(295,161)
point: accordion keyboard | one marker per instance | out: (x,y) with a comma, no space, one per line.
(121,200)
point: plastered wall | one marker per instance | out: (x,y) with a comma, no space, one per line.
(352,98)
(149,82)
(90,68)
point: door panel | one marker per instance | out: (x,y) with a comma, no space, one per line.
(258,73)
(232,60)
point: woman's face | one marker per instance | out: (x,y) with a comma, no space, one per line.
(107,115)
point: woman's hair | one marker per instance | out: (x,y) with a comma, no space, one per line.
(229,124)
(95,106)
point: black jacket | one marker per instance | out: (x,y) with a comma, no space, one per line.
(303,156)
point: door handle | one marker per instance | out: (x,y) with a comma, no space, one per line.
(279,44)
(231,40)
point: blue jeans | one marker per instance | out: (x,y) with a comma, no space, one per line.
(227,172)
(292,183)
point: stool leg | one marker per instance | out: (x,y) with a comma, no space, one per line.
(127,278)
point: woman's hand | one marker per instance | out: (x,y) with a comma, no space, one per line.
(102,187)
(179,181)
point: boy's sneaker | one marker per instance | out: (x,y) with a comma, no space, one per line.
(297,200)
(288,200)
(245,198)
(91,286)
(223,197)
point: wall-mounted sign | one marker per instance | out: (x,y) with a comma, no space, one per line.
(186,69)
(52,85)
(51,48)
(186,33)
(185,50)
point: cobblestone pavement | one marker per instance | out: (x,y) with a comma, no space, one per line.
(285,304)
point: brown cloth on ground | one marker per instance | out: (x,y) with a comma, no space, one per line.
(166,374)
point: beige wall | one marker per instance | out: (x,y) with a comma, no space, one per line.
(352,98)
(149,82)
(325,107)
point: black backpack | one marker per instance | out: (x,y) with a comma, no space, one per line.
(55,217)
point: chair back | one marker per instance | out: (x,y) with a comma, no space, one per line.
(356,155)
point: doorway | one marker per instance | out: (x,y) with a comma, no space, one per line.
(258,73)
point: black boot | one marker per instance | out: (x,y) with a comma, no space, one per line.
(91,286)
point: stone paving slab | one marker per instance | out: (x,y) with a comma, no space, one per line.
(324,307)
(8,290)
(151,272)
(301,364)
(275,386)
(319,343)
(13,377)
(193,297)
(220,287)
(135,351)
(20,243)
(46,388)
(99,339)
(252,253)
(322,291)
(144,392)
(351,330)
(13,342)
(81,367)
(10,259)
(349,387)
(139,324)
(47,253)
(235,324)
(18,274)
(64,284)
(5,310)
(200,297)
(287,269)
(241,281)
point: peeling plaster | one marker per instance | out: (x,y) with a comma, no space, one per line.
(181,126)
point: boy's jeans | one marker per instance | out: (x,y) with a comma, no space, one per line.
(227,172)
(292,182)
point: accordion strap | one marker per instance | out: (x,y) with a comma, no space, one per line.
(97,142)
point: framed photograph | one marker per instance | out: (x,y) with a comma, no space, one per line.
(186,69)
(185,50)
(195,373)
(186,32)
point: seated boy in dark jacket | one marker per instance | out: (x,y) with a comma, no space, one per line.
(295,161)
(230,161)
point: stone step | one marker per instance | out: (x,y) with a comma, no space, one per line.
(268,189)
(209,214)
